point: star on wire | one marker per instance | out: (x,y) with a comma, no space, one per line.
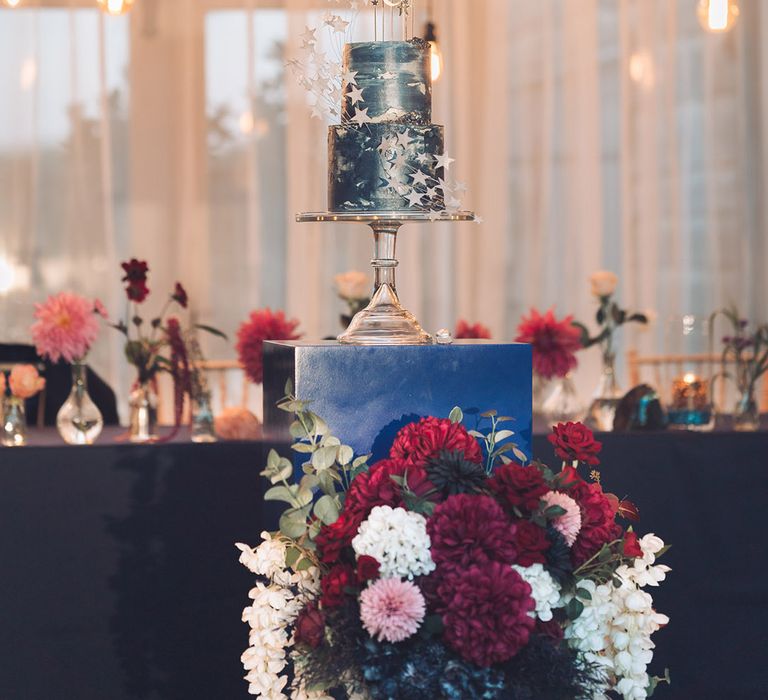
(424,158)
(309,37)
(361,116)
(339,25)
(349,77)
(444,161)
(355,95)
(419,178)
(414,199)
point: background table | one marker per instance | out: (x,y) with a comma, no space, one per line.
(120,576)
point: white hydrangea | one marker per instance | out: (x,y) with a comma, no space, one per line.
(615,628)
(398,540)
(544,590)
(275,606)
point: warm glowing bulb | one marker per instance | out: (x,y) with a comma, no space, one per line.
(689,378)
(116,7)
(718,16)
(12,3)
(437,60)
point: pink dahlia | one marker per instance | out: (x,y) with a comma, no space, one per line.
(392,610)
(568,524)
(66,327)
(476,330)
(485,612)
(418,442)
(262,325)
(554,343)
(377,487)
(468,530)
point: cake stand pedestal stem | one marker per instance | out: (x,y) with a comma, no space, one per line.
(384,261)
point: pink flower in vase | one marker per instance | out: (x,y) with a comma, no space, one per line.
(25,381)
(554,343)
(66,327)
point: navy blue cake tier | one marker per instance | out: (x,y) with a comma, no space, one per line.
(395,79)
(372,167)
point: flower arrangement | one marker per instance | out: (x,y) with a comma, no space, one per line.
(161,345)
(66,326)
(465,330)
(263,324)
(554,342)
(447,570)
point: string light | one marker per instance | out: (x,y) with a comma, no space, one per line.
(718,16)
(115,7)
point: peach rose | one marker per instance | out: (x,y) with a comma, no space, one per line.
(235,423)
(603,283)
(25,381)
(352,285)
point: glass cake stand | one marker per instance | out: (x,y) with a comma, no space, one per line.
(385,321)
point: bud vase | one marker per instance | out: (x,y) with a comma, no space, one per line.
(563,404)
(746,415)
(79,420)
(202,419)
(14,433)
(606,398)
(143,420)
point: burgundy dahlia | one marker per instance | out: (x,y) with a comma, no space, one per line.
(598,521)
(419,441)
(377,487)
(337,584)
(485,612)
(466,530)
(262,325)
(532,543)
(332,539)
(516,486)
(368,569)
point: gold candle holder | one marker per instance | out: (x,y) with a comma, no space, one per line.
(690,393)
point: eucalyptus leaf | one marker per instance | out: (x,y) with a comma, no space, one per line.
(327,482)
(298,431)
(327,510)
(456,415)
(292,527)
(279,493)
(346,453)
(302,447)
(324,457)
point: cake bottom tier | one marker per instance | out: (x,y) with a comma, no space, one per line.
(374,167)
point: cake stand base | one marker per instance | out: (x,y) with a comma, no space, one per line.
(384,321)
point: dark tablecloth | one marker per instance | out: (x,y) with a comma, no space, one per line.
(120,577)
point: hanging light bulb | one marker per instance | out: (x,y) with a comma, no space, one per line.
(437,56)
(115,7)
(718,16)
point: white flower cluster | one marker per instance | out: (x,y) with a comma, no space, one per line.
(398,540)
(615,628)
(544,590)
(275,606)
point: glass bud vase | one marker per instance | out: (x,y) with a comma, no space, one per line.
(746,415)
(202,419)
(14,433)
(563,403)
(79,420)
(606,398)
(143,420)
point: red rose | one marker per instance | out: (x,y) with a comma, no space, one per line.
(519,487)
(598,521)
(310,626)
(532,543)
(335,584)
(574,441)
(335,537)
(367,569)
(632,545)
(418,442)
(136,277)
(180,295)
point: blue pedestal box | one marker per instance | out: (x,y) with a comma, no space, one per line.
(367,393)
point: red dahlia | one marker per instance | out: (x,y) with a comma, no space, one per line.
(465,331)
(377,487)
(485,612)
(554,343)
(598,521)
(516,486)
(532,543)
(418,442)
(262,325)
(574,441)
(332,539)
(336,584)
(468,530)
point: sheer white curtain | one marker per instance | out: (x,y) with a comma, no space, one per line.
(597,133)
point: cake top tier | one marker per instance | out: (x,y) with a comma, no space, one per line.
(390,79)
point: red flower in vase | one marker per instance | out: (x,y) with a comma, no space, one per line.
(262,325)
(136,279)
(554,343)
(180,295)
(465,331)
